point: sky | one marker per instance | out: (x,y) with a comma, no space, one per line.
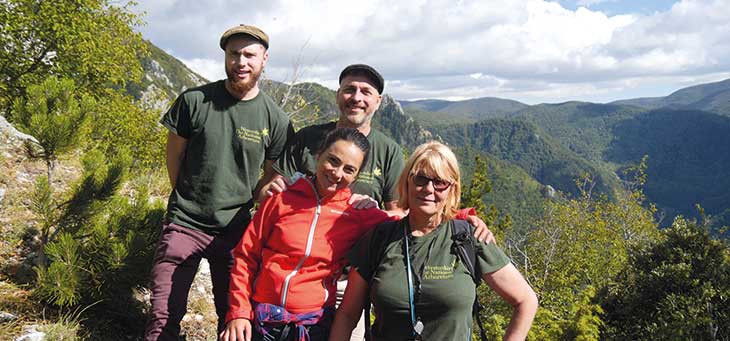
(533,51)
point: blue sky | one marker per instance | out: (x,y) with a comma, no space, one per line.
(534,51)
(645,7)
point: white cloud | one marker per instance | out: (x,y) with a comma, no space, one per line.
(210,69)
(530,50)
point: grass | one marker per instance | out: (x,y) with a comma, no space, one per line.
(65,329)
(201,320)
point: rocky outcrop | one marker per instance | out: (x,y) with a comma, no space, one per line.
(391,119)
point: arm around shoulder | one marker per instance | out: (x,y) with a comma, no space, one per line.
(271,183)
(514,289)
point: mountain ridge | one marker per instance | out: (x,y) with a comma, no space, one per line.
(555,143)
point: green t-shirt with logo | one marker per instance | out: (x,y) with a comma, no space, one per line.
(447,290)
(227,143)
(378,178)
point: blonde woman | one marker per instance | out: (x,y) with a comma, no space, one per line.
(418,286)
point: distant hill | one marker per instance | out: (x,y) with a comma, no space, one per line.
(689,157)
(165,75)
(584,128)
(472,109)
(712,97)
(688,150)
(436,119)
(524,144)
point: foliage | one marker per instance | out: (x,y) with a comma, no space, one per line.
(479,186)
(56,116)
(90,41)
(122,125)
(44,206)
(577,249)
(677,287)
(303,102)
(512,191)
(104,246)
(472,196)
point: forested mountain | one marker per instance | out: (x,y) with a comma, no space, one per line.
(713,97)
(524,144)
(684,136)
(163,75)
(433,112)
(687,149)
(476,109)
(689,157)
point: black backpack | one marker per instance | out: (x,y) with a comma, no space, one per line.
(464,246)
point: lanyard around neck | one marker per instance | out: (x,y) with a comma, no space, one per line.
(415,322)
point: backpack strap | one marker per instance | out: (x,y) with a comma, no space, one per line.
(464,246)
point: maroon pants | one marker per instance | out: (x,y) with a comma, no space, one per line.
(178,255)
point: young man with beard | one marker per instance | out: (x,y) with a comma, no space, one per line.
(220,135)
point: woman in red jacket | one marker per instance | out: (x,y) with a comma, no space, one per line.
(287,262)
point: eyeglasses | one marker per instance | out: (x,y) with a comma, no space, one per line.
(438,184)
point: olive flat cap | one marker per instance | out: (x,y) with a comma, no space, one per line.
(248,30)
(366,70)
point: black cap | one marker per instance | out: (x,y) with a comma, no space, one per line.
(367,70)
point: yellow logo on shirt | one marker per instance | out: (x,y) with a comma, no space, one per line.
(439,271)
(377,172)
(252,135)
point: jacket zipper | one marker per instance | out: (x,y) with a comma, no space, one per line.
(308,250)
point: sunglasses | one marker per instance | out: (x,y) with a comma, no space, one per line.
(438,184)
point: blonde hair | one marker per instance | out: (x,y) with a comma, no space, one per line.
(433,159)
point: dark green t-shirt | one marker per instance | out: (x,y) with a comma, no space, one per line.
(447,289)
(228,141)
(378,178)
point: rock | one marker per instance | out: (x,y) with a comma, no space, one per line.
(2,195)
(204,267)
(23,177)
(548,192)
(6,317)
(31,334)
(13,134)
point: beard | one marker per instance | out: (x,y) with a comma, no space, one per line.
(242,86)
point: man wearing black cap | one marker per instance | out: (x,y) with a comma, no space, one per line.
(220,136)
(358,97)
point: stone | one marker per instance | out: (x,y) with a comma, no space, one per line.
(31,334)
(7,317)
